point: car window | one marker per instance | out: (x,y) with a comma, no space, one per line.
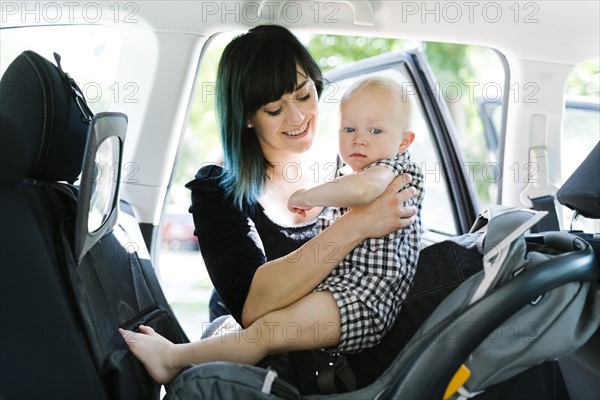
(581,126)
(89,53)
(477,73)
(579,134)
(184,278)
(580,130)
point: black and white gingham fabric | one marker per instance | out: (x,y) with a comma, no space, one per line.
(372,281)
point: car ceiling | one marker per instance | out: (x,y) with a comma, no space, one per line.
(550,31)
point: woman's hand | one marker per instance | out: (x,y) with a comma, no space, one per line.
(387,213)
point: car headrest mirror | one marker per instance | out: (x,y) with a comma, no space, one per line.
(99,186)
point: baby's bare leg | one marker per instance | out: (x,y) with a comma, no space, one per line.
(312,322)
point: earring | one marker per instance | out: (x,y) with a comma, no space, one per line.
(250,126)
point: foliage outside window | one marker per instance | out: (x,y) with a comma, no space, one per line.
(580,129)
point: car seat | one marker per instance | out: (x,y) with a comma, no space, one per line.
(74,268)
(45,350)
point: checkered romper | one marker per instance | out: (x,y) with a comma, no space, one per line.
(371,283)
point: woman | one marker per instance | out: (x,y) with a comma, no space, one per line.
(260,256)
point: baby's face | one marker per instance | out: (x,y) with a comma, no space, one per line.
(370,127)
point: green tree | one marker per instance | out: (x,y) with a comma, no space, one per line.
(585,79)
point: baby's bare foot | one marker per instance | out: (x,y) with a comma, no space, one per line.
(154,351)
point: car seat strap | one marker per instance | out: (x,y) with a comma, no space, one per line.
(86,113)
(550,223)
(326,377)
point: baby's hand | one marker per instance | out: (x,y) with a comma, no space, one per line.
(296,203)
(300,211)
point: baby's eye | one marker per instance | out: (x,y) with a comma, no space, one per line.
(376,131)
(349,130)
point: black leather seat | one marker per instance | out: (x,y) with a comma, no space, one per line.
(581,193)
(45,352)
(73,269)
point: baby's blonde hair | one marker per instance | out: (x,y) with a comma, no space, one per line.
(383,82)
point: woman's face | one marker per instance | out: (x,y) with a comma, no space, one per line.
(288,124)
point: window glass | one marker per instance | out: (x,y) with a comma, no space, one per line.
(580,130)
(90,54)
(471,80)
(184,278)
(580,133)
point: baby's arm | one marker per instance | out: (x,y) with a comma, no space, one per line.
(346,191)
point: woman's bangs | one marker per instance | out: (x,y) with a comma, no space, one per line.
(274,75)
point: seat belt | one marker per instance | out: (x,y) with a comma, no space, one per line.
(550,222)
(337,368)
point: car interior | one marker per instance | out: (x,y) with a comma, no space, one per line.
(106,111)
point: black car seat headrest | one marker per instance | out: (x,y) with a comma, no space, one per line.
(15,157)
(581,192)
(50,112)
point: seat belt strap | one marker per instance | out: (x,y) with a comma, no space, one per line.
(340,369)
(550,222)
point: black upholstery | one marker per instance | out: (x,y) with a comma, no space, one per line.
(14,153)
(60,310)
(39,97)
(581,192)
(45,351)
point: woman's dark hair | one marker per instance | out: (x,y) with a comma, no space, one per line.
(256,68)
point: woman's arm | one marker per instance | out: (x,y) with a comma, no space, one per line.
(234,256)
(346,191)
(283,281)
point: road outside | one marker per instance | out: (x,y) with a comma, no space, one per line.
(187,288)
